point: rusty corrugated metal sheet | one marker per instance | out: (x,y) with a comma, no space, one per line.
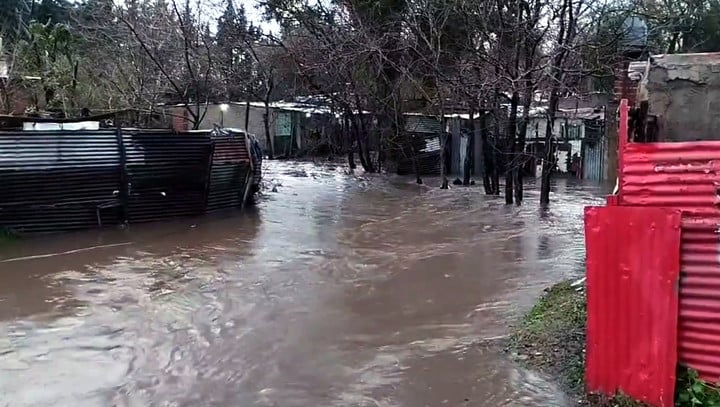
(686,176)
(632,305)
(231,171)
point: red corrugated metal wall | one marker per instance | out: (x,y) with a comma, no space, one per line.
(632,301)
(685,176)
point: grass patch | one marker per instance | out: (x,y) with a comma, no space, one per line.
(551,340)
(551,337)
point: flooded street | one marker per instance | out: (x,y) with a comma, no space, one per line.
(335,291)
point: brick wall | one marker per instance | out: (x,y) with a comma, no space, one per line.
(624,87)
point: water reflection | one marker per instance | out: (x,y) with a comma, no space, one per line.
(338,290)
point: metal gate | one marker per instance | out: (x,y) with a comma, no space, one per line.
(592,165)
(633,263)
(464,140)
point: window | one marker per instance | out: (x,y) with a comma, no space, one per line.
(284,125)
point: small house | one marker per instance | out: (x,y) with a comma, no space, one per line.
(578,141)
(296,127)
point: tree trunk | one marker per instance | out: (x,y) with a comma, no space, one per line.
(443,149)
(356,139)
(416,168)
(495,171)
(510,170)
(443,164)
(486,161)
(269,86)
(549,161)
(413,158)
(268,136)
(348,137)
(247,117)
(522,136)
(565,36)
(6,108)
(495,164)
(364,150)
(467,165)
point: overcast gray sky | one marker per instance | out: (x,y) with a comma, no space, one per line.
(212,9)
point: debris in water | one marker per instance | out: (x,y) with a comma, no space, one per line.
(301,173)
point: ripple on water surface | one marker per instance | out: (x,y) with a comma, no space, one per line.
(337,290)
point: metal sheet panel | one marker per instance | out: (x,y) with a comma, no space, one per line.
(427,156)
(464,141)
(682,175)
(168,174)
(686,176)
(55,181)
(632,272)
(593,160)
(231,170)
(63,180)
(422,124)
(699,330)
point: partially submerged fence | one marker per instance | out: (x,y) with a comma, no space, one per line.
(66,180)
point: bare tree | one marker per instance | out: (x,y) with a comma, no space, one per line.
(182,55)
(567,14)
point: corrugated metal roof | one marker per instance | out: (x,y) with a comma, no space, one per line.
(586,113)
(422,124)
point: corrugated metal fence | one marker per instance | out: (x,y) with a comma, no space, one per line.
(593,156)
(59,181)
(231,166)
(683,177)
(167,174)
(686,176)
(54,180)
(424,152)
(593,153)
(633,255)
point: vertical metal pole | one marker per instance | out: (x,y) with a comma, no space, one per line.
(622,143)
(208,178)
(123,171)
(247,116)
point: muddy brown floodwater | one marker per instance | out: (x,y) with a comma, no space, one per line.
(334,291)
